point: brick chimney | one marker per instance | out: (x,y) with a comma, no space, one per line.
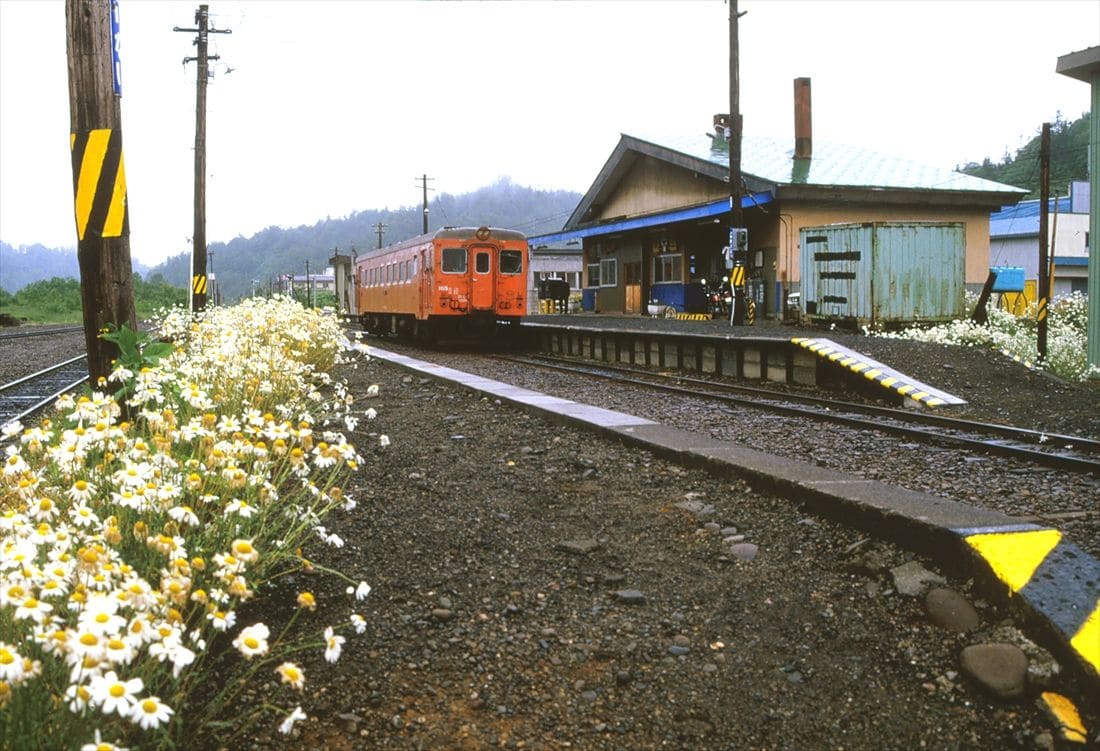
(803,127)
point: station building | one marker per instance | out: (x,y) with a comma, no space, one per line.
(655,221)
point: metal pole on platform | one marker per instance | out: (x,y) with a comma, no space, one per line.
(738,274)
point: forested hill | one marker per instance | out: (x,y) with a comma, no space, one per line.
(1069,148)
(275,250)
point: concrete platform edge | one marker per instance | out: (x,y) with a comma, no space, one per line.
(1050,583)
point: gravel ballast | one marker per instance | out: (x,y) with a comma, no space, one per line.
(538,587)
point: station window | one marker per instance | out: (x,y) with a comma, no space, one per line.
(666,268)
(593,275)
(511,262)
(454,260)
(609,273)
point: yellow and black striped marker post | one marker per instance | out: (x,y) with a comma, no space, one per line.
(1054,577)
(99,184)
(198,284)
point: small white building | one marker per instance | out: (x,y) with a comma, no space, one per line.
(552,261)
(1014,241)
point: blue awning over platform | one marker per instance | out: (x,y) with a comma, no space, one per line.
(707,210)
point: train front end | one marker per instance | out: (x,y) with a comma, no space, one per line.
(482,277)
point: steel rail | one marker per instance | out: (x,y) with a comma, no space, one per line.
(1061,460)
(38,400)
(44,332)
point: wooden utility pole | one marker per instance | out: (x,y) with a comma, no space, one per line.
(738,245)
(424,184)
(99,180)
(198,236)
(1044,254)
(380,228)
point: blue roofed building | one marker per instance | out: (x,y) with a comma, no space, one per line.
(654,222)
(1014,241)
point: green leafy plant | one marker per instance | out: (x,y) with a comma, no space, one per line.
(136,351)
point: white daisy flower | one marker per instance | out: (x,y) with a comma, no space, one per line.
(150,712)
(288,724)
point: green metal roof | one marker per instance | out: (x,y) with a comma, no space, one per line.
(772,160)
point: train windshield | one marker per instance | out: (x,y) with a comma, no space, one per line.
(454,260)
(511,262)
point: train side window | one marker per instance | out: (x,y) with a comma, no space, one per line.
(454,260)
(414,267)
(511,262)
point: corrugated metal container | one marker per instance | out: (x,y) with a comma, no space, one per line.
(883,273)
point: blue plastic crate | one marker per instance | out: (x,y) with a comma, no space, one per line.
(1009,278)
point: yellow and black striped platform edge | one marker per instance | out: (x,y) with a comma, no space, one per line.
(99,184)
(1016,358)
(1054,577)
(692,317)
(878,373)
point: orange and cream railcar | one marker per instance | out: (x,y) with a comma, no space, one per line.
(455,281)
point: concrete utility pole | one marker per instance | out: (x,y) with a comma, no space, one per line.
(380,228)
(738,243)
(99,181)
(424,184)
(1044,248)
(198,246)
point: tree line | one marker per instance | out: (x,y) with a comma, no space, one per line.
(57,300)
(1069,148)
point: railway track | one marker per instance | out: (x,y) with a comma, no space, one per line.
(1063,452)
(39,331)
(28,394)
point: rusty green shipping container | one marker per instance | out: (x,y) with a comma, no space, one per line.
(883,273)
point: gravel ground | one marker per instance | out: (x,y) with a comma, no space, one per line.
(1069,501)
(539,587)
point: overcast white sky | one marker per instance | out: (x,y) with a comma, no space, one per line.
(336,107)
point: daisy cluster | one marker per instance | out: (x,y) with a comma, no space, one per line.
(1017,336)
(130,534)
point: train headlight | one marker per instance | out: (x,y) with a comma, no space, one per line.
(483,233)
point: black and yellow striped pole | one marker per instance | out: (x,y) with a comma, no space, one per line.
(100,199)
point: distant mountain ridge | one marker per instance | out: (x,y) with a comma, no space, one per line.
(274,251)
(278,250)
(25,264)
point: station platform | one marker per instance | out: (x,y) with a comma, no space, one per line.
(770,351)
(1051,583)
